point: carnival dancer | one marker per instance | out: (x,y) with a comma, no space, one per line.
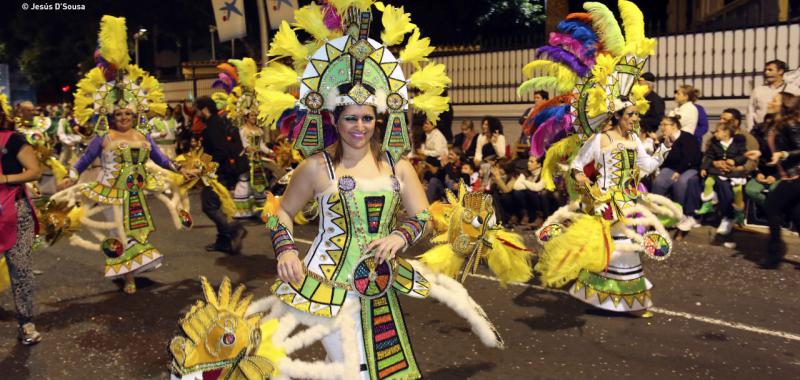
(115,99)
(36,131)
(68,134)
(351,273)
(237,78)
(163,133)
(596,239)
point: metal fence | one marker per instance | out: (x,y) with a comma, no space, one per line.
(723,65)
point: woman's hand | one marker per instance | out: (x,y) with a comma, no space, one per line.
(290,269)
(776,157)
(386,248)
(65,183)
(703,173)
(676,176)
(753,154)
(582,179)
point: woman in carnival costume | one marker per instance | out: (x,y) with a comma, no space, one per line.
(237,78)
(115,99)
(36,130)
(596,239)
(346,287)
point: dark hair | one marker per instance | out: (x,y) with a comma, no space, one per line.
(780,65)
(726,126)
(737,115)
(206,102)
(542,93)
(336,150)
(790,110)
(674,120)
(495,126)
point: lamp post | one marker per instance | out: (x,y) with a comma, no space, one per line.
(140,35)
(211,30)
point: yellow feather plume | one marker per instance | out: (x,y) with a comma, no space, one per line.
(310,19)
(508,259)
(343,5)
(267,349)
(432,105)
(286,44)
(442,259)
(596,102)
(228,207)
(272,104)
(4,105)
(5,279)
(586,244)
(276,76)
(632,21)
(396,24)
(565,77)
(603,68)
(432,77)
(417,50)
(555,154)
(59,171)
(246,70)
(113,40)
(84,95)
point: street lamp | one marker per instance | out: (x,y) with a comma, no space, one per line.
(140,35)
(211,30)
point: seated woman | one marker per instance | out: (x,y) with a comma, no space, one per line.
(530,194)
(491,143)
(678,175)
(721,186)
(467,139)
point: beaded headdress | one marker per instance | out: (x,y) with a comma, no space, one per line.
(116,83)
(343,66)
(237,78)
(594,70)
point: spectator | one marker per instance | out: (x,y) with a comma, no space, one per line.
(678,175)
(650,120)
(491,143)
(224,144)
(503,178)
(18,166)
(529,193)
(783,139)
(685,97)
(722,186)
(733,117)
(435,145)
(469,171)
(467,139)
(762,95)
(443,176)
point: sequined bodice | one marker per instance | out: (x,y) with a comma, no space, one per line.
(124,163)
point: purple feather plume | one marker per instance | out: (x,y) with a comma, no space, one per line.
(331,17)
(225,83)
(560,55)
(546,132)
(569,43)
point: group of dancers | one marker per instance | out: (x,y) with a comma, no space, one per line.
(326,95)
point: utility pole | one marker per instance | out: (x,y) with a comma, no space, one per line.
(211,30)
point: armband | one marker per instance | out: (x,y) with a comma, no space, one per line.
(412,229)
(282,240)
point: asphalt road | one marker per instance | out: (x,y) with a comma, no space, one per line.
(717,316)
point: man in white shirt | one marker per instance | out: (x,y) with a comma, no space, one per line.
(435,143)
(762,95)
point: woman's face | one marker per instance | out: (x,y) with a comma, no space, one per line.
(628,119)
(466,127)
(774,105)
(485,127)
(356,126)
(533,163)
(681,97)
(123,119)
(427,126)
(252,117)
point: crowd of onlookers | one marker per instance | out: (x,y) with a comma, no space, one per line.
(744,167)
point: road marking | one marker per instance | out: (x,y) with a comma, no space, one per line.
(700,318)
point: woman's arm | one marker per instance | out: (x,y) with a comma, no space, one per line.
(27,157)
(500,146)
(158,157)
(93,151)
(479,147)
(646,162)
(300,190)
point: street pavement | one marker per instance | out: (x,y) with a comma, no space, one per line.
(717,316)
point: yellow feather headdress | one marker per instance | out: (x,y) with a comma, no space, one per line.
(115,83)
